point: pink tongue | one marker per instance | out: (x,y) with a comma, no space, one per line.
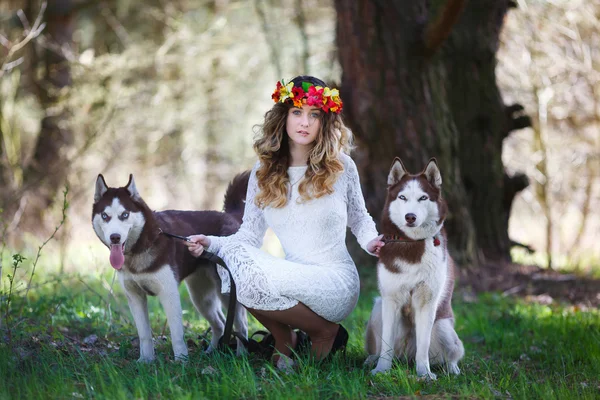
(116,256)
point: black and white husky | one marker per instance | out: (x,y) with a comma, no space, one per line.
(413,319)
(150,263)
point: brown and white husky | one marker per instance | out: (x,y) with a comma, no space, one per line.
(150,263)
(413,318)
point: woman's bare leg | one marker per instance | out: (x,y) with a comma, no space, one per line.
(285,337)
(321,331)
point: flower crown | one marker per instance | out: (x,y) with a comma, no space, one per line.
(323,97)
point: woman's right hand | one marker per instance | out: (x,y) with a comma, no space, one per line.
(197,244)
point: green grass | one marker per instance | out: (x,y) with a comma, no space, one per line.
(513,350)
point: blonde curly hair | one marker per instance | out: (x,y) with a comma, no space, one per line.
(324,163)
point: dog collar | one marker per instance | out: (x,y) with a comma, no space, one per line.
(403,239)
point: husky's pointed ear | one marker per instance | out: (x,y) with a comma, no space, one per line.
(397,171)
(101,188)
(432,173)
(131,187)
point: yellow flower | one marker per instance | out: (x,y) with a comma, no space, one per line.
(334,95)
(286,91)
(327,92)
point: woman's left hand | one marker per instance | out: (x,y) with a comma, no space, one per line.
(375,245)
(197,244)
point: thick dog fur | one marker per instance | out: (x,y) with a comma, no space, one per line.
(413,318)
(150,263)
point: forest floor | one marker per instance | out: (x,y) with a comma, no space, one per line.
(533,283)
(528,334)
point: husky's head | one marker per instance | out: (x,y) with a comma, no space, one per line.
(415,202)
(118,218)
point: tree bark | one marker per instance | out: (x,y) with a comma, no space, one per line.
(3,161)
(483,121)
(404,97)
(47,171)
(396,103)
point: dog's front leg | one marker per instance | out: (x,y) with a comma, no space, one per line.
(171,302)
(138,304)
(425,307)
(390,318)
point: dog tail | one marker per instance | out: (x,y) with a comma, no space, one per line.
(235,195)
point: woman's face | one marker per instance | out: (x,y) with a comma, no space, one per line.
(303,125)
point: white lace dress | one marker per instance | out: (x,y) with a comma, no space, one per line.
(317,269)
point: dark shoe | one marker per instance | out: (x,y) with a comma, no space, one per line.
(263,348)
(266,346)
(302,343)
(339,344)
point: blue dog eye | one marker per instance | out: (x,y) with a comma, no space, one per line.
(423,198)
(401,197)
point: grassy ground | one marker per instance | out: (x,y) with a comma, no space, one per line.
(74,339)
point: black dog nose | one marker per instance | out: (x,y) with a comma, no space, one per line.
(115,238)
(410,218)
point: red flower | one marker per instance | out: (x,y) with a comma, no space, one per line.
(329,104)
(337,107)
(298,93)
(315,97)
(276,94)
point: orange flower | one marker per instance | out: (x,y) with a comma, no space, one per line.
(298,95)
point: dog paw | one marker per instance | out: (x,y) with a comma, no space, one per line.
(453,369)
(182,358)
(426,376)
(371,360)
(379,370)
(209,349)
(241,351)
(145,360)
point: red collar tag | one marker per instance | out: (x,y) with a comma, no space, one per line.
(436,241)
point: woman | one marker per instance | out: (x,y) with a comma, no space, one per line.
(306,189)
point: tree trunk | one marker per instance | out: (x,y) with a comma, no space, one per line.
(3,163)
(404,98)
(47,171)
(542,189)
(483,121)
(212,155)
(396,103)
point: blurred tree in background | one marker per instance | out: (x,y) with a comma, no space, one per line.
(420,82)
(47,75)
(171,92)
(550,62)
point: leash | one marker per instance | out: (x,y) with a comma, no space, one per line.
(401,239)
(227,333)
(184,238)
(212,257)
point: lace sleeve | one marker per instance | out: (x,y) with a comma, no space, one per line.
(359,220)
(253,228)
